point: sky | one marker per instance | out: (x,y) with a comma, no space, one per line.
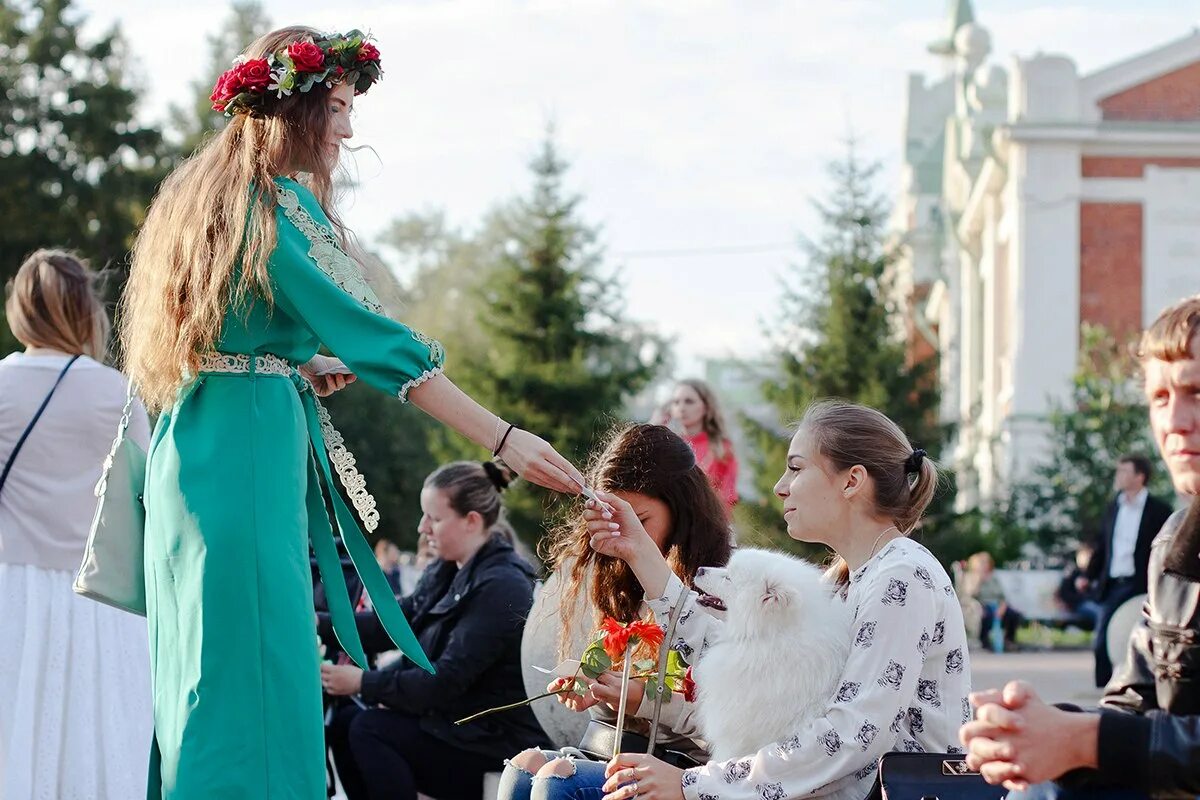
(698,130)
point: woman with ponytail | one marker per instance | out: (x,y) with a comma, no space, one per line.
(852,482)
(468,612)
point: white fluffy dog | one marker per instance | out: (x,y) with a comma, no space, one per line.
(776,662)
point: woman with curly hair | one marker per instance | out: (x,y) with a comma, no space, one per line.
(656,472)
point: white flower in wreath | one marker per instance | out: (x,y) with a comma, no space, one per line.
(279,83)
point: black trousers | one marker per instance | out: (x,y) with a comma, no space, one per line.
(1116,592)
(382,754)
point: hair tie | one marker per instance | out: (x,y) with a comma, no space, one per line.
(912,464)
(495,475)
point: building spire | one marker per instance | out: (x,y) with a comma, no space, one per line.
(958,13)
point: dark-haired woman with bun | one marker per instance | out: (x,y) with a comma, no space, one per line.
(468,611)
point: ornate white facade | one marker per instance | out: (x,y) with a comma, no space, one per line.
(1034,199)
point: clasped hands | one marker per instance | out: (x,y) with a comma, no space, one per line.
(1016,739)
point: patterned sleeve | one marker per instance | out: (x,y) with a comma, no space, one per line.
(879,688)
(676,715)
(695,624)
(319,285)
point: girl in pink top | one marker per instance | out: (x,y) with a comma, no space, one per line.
(694,407)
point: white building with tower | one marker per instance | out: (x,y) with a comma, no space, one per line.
(1035,199)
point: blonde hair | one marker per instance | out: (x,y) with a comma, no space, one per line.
(211,229)
(714,421)
(848,434)
(1170,336)
(52,303)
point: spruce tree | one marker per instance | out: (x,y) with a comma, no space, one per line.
(838,336)
(77,169)
(558,356)
(192,123)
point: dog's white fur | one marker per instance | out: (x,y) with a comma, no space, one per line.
(776,663)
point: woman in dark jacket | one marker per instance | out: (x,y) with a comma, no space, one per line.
(468,611)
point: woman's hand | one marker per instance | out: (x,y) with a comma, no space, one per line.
(619,534)
(341,681)
(571,700)
(607,689)
(535,460)
(325,385)
(642,776)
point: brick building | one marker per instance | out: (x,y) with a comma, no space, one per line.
(1035,199)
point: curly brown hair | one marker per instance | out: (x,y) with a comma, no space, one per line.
(650,460)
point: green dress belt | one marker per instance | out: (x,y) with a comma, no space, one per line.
(328,446)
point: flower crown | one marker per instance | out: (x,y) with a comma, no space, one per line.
(247,86)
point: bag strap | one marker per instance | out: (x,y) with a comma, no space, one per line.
(122,427)
(663,653)
(29,428)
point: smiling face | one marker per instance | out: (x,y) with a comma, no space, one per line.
(1173,394)
(340,101)
(813,503)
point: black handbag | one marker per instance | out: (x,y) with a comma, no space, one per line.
(600,736)
(931,776)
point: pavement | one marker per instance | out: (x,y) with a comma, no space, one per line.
(1057,675)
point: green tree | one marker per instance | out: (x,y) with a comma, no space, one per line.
(1105,417)
(838,337)
(556,355)
(77,169)
(192,123)
(390,443)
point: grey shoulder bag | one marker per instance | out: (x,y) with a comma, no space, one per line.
(113,571)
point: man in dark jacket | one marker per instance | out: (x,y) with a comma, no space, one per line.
(1145,741)
(1119,567)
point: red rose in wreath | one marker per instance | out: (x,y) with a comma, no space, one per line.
(368,52)
(306,56)
(253,75)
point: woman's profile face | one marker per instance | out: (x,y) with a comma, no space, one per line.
(686,406)
(451,536)
(341,102)
(812,502)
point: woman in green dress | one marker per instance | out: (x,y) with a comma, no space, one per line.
(240,273)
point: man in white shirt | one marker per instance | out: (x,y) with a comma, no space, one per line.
(1118,569)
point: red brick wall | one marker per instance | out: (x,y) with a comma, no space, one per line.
(1174,96)
(1110,265)
(1121,167)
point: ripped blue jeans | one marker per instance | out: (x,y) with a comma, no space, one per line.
(584,784)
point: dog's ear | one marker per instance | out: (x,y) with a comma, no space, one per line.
(774,595)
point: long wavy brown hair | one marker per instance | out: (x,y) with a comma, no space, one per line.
(208,234)
(653,461)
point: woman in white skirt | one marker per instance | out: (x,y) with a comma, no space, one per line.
(75,718)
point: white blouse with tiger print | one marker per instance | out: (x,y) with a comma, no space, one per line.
(904,687)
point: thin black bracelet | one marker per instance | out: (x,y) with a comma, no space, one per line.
(503,439)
